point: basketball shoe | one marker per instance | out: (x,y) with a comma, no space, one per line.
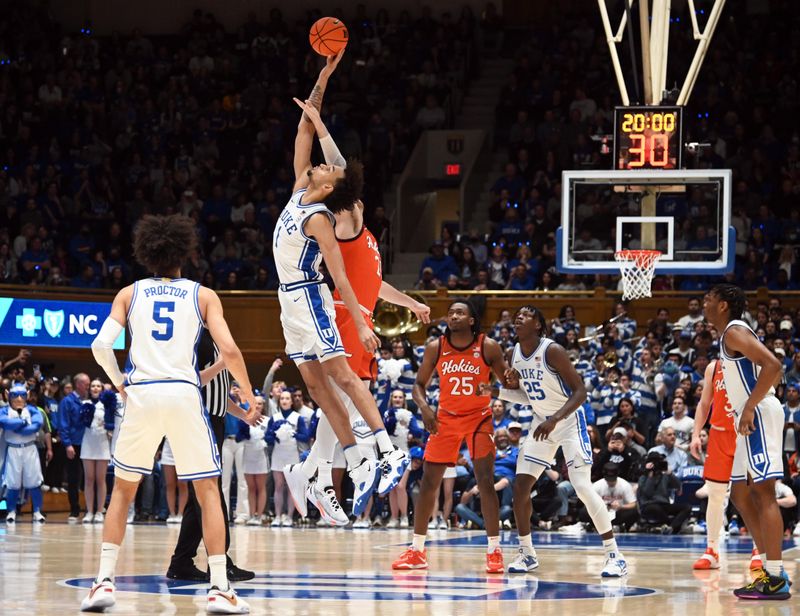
(297,482)
(392,466)
(523,563)
(765,586)
(709,560)
(615,566)
(101,596)
(411,559)
(364,478)
(228,602)
(327,503)
(494,561)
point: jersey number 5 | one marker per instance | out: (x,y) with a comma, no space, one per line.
(159,308)
(462,386)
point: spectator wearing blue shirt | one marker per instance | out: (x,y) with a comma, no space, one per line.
(443,265)
(510,181)
(71,430)
(81,246)
(521,279)
(500,418)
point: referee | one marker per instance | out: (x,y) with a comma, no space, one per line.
(215,397)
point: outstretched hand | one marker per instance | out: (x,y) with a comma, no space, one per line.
(331,62)
(310,113)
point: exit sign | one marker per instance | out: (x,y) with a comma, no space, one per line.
(452,170)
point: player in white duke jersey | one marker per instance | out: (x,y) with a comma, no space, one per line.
(542,375)
(166,315)
(750,372)
(303,236)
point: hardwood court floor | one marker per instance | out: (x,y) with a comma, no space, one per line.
(45,570)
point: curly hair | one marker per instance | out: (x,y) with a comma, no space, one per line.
(731,294)
(538,314)
(163,243)
(348,190)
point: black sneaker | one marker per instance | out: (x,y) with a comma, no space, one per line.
(235,574)
(189,573)
(765,587)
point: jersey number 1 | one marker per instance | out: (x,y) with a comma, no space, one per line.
(159,308)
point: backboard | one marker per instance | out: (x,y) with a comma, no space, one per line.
(683,213)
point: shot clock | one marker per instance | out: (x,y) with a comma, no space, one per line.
(648,137)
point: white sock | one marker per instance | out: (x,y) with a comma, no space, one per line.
(418,543)
(493,544)
(715,512)
(353,456)
(325,474)
(526,545)
(217,565)
(713,543)
(610,546)
(385,444)
(108,561)
(774,567)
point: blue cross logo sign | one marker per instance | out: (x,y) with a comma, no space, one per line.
(28,322)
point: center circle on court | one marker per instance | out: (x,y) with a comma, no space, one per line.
(401,586)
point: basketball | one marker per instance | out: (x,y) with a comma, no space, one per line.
(328,36)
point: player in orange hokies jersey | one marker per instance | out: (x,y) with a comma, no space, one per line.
(362,263)
(464,359)
(719,461)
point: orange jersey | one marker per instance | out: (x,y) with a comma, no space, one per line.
(721,410)
(362,263)
(462,372)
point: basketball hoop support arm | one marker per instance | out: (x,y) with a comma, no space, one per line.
(705,40)
(612,41)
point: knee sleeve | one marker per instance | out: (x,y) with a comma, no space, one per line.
(595,507)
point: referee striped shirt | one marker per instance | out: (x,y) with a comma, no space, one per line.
(215,393)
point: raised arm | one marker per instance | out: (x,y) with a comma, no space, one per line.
(218,328)
(740,340)
(393,296)
(305,129)
(319,226)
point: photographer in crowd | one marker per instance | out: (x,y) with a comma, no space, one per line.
(653,495)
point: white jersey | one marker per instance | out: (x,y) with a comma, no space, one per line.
(165,326)
(297,256)
(544,387)
(740,373)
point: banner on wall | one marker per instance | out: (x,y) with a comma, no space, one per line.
(53,323)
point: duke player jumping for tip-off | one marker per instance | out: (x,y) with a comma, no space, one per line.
(303,236)
(750,372)
(166,315)
(542,376)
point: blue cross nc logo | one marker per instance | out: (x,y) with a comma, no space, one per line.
(28,322)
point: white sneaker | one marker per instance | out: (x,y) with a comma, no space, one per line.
(45,488)
(573,529)
(228,602)
(276,522)
(179,519)
(286,521)
(796,532)
(523,563)
(241,519)
(171,519)
(433,524)
(361,524)
(328,505)
(393,523)
(38,518)
(391,466)
(88,518)
(323,523)
(100,597)
(254,521)
(73,519)
(364,477)
(98,518)
(404,522)
(297,482)
(615,566)
(442,525)
(131,516)
(11,517)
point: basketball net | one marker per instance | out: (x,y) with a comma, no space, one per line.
(638,268)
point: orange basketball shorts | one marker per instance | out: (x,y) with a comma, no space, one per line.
(362,363)
(474,427)
(719,458)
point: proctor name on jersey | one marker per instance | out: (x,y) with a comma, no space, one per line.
(166,290)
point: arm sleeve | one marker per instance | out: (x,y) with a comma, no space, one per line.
(103,350)
(518,396)
(331,152)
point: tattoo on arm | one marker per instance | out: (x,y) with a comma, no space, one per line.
(316,98)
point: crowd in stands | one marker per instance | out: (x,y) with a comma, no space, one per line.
(643,391)
(562,92)
(96,131)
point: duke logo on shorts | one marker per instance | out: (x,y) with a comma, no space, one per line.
(307,312)
(760,453)
(162,383)
(547,393)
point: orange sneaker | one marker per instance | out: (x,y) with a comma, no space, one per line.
(494,562)
(411,559)
(709,560)
(755,561)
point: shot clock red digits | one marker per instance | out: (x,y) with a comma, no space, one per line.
(647,137)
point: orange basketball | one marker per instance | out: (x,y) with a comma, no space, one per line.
(328,36)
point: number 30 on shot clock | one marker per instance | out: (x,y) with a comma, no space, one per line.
(648,137)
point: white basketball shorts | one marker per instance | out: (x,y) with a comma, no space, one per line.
(570,434)
(174,410)
(309,324)
(760,454)
(23,468)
